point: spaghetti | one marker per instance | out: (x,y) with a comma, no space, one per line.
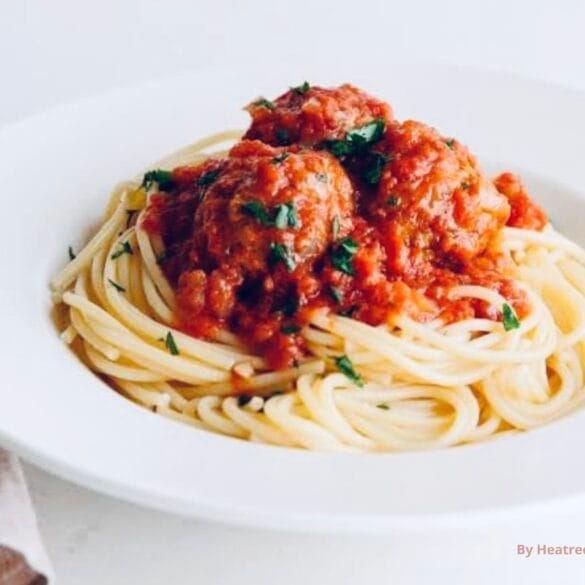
(403,384)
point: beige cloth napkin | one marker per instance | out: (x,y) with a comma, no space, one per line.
(23,560)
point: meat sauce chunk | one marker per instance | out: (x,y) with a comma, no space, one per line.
(525,213)
(314,116)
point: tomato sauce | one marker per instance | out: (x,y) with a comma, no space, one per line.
(311,115)
(525,213)
(330,202)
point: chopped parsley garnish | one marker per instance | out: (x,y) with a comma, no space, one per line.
(171,344)
(163,256)
(243,399)
(342,255)
(116,285)
(280,158)
(339,148)
(345,366)
(357,139)
(383,406)
(207,178)
(393,201)
(374,170)
(71,253)
(282,136)
(281,218)
(366,134)
(282,253)
(124,248)
(348,312)
(301,89)
(263,102)
(293,218)
(322,177)
(290,329)
(509,318)
(335,227)
(163,178)
(450,143)
(335,294)
(286,216)
(258,210)
(289,306)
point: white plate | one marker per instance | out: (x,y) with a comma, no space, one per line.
(57,169)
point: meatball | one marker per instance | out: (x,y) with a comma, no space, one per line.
(525,212)
(312,115)
(271,196)
(263,222)
(433,204)
(171,215)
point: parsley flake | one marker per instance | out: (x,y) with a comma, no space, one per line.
(450,143)
(509,318)
(375,168)
(258,210)
(344,365)
(393,201)
(339,148)
(286,216)
(243,399)
(280,158)
(207,178)
(348,312)
(290,329)
(163,256)
(357,139)
(282,136)
(171,344)
(289,306)
(366,134)
(282,253)
(335,294)
(264,103)
(124,248)
(293,218)
(383,406)
(71,253)
(322,177)
(281,218)
(301,89)
(118,287)
(164,179)
(342,255)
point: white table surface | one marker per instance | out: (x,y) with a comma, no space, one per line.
(57,51)
(97,540)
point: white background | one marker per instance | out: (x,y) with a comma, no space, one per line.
(61,50)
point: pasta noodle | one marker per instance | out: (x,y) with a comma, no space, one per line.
(426,385)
